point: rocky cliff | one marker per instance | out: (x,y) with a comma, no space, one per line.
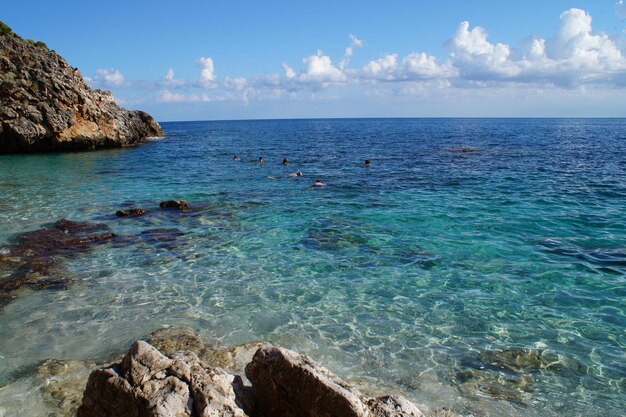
(46,106)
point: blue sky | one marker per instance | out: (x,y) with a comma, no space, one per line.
(197,60)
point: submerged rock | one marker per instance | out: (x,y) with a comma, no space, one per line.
(166,238)
(334,235)
(62,384)
(464,149)
(172,339)
(181,205)
(512,374)
(513,388)
(131,212)
(46,106)
(34,260)
(232,358)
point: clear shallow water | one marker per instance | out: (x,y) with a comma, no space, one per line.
(396,276)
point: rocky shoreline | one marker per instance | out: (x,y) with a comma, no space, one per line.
(45,105)
(35,260)
(174,373)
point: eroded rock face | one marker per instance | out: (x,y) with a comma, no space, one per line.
(46,106)
(148,383)
(287,384)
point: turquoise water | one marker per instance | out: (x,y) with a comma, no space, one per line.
(405,276)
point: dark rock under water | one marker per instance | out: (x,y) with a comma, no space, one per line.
(512,374)
(34,259)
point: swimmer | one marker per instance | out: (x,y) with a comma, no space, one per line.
(318,183)
(295,174)
(236,158)
(367,163)
(286,162)
(261,160)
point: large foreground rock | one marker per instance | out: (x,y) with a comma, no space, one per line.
(46,106)
(287,384)
(147,383)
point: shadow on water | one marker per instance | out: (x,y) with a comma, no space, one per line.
(607,260)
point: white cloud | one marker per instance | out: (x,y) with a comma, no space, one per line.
(207,74)
(318,70)
(476,57)
(354,43)
(574,41)
(166,96)
(620,9)
(382,68)
(289,72)
(170,80)
(239,88)
(413,67)
(235,83)
(108,78)
(573,56)
(425,67)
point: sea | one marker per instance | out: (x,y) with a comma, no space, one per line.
(476,265)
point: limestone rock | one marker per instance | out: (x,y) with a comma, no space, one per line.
(149,384)
(393,406)
(45,105)
(287,384)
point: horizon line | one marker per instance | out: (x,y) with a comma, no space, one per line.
(404,118)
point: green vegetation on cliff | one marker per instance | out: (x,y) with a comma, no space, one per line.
(4,28)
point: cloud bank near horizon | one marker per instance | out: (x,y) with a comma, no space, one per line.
(574,57)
